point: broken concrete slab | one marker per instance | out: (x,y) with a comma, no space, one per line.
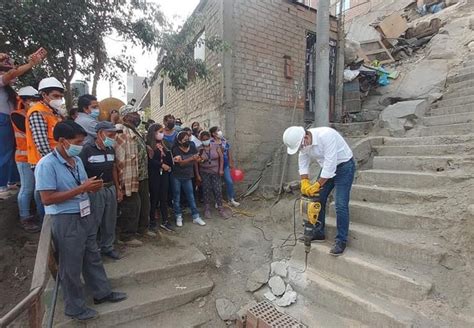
(277,285)
(425,78)
(226,309)
(288,298)
(258,278)
(269,296)
(279,268)
(402,116)
(442,46)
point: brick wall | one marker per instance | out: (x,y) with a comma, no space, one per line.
(266,31)
(361,7)
(202,100)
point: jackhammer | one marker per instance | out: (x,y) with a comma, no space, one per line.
(310,207)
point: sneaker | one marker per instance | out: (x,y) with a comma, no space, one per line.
(179,221)
(134,243)
(338,248)
(29,225)
(224,212)
(153,228)
(113,297)
(88,314)
(234,203)
(199,221)
(150,233)
(207,211)
(167,227)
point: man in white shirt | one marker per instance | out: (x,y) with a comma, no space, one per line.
(329,149)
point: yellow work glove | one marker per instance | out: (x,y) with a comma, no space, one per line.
(305,185)
(313,189)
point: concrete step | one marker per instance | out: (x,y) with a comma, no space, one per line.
(468,63)
(426,150)
(441,120)
(421,163)
(407,179)
(434,140)
(436,112)
(189,315)
(367,271)
(347,299)
(356,129)
(463,70)
(445,130)
(396,245)
(399,196)
(143,300)
(461,85)
(454,93)
(385,216)
(154,263)
(450,102)
(465,76)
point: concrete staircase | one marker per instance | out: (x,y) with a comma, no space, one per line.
(386,273)
(160,280)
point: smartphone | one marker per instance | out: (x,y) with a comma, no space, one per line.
(40,53)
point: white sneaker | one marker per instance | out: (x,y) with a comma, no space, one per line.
(179,221)
(199,221)
(234,203)
(150,233)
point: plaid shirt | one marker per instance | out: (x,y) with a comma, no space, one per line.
(126,150)
(39,130)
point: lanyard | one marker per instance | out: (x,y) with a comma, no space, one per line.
(70,169)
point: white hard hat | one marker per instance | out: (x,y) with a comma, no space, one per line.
(28,92)
(50,82)
(292,138)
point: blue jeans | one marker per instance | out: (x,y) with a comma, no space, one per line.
(229,184)
(342,181)
(27,191)
(8,171)
(187,186)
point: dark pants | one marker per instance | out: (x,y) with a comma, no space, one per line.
(104,210)
(212,186)
(75,240)
(135,212)
(159,187)
(342,182)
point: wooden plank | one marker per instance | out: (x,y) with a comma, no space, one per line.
(376,48)
(393,26)
(41,270)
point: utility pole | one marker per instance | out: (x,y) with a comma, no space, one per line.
(321,110)
(339,102)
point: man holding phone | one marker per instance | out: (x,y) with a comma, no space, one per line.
(99,160)
(63,185)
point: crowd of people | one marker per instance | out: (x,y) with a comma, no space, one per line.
(103,182)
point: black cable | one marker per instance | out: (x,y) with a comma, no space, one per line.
(294,228)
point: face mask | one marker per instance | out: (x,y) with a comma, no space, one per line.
(177,127)
(109,142)
(170,125)
(195,131)
(220,134)
(185,144)
(206,142)
(159,136)
(73,150)
(95,112)
(137,122)
(57,104)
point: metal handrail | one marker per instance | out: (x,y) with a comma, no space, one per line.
(43,264)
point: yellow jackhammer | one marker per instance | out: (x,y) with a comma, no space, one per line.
(310,207)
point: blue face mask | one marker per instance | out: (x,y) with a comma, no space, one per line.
(109,142)
(95,112)
(73,150)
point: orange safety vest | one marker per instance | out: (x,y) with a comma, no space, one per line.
(20,136)
(51,120)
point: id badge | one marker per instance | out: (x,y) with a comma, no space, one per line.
(85,208)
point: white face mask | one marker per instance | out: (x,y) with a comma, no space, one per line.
(220,134)
(56,103)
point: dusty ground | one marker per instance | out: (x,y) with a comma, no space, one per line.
(17,256)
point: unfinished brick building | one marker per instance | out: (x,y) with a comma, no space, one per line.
(255,85)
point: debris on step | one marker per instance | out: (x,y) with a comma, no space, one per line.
(258,278)
(226,309)
(279,268)
(242,313)
(288,298)
(277,285)
(269,296)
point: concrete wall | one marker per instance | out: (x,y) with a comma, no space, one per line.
(203,100)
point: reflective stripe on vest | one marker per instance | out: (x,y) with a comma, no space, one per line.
(20,138)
